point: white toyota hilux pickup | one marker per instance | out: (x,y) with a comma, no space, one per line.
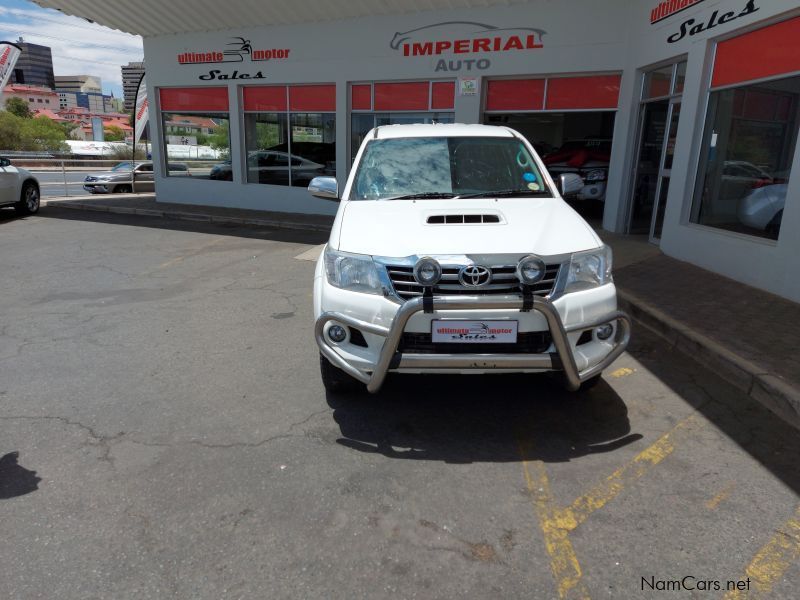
(453,252)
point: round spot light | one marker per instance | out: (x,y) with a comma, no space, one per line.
(604,331)
(427,271)
(337,333)
(530,270)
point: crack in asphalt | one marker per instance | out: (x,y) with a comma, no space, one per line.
(106,442)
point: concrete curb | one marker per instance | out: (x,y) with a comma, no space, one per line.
(768,389)
(190,216)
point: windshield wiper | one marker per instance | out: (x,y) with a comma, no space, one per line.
(422,196)
(505,193)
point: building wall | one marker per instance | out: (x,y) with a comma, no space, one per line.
(766,264)
(131,75)
(34,66)
(587,38)
(37,99)
(79,83)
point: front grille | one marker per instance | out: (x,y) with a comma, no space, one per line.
(533,342)
(504,281)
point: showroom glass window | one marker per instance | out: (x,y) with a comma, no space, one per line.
(750,134)
(196,127)
(290,133)
(398,103)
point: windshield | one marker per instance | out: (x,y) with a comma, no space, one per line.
(441,167)
(123,166)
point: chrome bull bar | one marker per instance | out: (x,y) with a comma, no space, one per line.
(564,358)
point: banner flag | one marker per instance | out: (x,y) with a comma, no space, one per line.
(9,53)
(142,110)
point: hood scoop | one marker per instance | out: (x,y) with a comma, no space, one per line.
(469,219)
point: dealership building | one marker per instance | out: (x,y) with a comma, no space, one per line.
(681,115)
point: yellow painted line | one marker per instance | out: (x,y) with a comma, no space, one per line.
(557,523)
(771,561)
(623,372)
(609,489)
(563,560)
(719,498)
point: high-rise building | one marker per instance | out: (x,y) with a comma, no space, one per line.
(34,66)
(131,75)
(79,83)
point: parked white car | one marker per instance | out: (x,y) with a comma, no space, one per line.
(453,252)
(763,208)
(18,188)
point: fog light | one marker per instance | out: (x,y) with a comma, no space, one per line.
(604,331)
(337,333)
(530,270)
(427,271)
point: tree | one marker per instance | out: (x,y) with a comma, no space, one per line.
(10,131)
(113,133)
(18,107)
(68,128)
(220,139)
(38,134)
(42,134)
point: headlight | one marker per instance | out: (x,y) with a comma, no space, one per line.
(589,269)
(596,175)
(354,272)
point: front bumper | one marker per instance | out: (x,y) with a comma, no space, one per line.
(390,359)
(96,188)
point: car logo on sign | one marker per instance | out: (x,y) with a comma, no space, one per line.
(474,276)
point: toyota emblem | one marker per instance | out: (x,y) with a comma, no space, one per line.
(474,276)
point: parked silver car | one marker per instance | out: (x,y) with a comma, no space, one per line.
(127,177)
(18,188)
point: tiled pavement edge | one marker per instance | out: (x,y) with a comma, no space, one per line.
(745,335)
(748,336)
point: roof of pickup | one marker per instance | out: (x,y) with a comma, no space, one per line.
(439,130)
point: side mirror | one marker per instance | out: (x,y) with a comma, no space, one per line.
(569,184)
(324,187)
(4,162)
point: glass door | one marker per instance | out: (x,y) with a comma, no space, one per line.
(658,125)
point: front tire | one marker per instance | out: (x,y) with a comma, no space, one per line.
(29,199)
(337,381)
(123,189)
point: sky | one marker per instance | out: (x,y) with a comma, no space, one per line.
(79,47)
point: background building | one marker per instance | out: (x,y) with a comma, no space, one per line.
(131,75)
(38,98)
(79,83)
(92,101)
(34,66)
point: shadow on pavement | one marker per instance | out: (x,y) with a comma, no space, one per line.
(244,231)
(484,418)
(766,437)
(16,480)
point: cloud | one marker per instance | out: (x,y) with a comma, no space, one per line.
(78,47)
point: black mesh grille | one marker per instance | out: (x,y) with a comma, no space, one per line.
(535,342)
(504,281)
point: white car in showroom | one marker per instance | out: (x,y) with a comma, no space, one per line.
(18,188)
(762,208)
(453,252)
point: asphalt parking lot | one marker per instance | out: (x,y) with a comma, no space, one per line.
(164,434)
